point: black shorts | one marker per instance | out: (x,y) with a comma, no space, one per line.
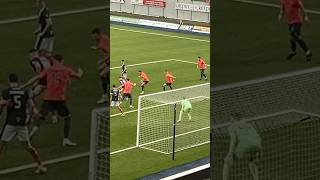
(145,83)
(202,70)
(295,29)
(168,84)
(126,95)
(51,106)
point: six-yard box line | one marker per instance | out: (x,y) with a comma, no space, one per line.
(86,154)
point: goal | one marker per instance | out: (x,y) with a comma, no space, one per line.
(156,130)
(99,145)
(285,110)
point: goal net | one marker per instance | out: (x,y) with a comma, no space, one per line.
(156,119)
(99,145)
(285,110)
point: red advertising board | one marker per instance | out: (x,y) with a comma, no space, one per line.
(156,3)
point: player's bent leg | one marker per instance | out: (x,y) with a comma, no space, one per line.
(66,132)
(130,101)
(121,110)
(64,112)
(36,157)
(254,170)
(164,87)
(228,163)
(37,123)
(180,116)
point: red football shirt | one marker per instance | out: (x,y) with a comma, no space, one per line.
(127,87)
(144,76)
(58,77)
(292,10)
(169,78)
(201,64)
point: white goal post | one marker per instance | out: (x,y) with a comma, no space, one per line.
(156,130)
(99,166)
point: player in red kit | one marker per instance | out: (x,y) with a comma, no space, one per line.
(127,90)
(58,77)
(295,13)
(103,45)
(144,80)
(169,80)
(202,67)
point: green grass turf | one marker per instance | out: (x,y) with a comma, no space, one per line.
(141,48)
(22,8)
(249,42)
(73,40)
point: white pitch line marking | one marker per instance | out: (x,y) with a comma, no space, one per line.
(159,34)
(271,5)
(64,13)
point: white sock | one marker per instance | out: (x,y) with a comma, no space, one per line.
(189,115)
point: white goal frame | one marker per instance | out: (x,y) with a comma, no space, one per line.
(93,145)
(164,104)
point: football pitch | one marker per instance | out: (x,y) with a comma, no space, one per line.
(152,51)
(249,42)
(73,41)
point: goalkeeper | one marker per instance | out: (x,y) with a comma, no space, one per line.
(185,107)
(245,143)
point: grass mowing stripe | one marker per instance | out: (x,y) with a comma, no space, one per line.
(64,13)
(55,161)
(271,5)
(160,34)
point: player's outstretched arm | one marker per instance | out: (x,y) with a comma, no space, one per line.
(31,81)
(77,74)
(233,139)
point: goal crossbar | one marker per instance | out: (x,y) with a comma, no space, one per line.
(256,118)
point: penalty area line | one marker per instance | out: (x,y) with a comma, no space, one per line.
(155,62)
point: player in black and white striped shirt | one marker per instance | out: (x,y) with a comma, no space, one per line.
(124,70)
(44,32)
(40,61)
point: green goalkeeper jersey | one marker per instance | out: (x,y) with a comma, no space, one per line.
(186,104)
(246,138)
